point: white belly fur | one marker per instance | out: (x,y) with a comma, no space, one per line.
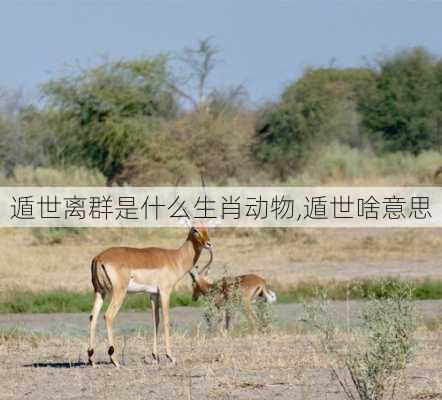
(135,287)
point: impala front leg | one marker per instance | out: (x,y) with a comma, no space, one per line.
(165,300)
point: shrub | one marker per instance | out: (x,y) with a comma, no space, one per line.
(218,145)
(381,347)
(265,316)
(224,302)
(160,161)
(219,307)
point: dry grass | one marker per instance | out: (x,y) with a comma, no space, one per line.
(281,256)
(284,364)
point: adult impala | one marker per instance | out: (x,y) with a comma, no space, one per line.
(250,287)
(119,270)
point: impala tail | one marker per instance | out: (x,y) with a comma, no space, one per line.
(100,278)
(269,295)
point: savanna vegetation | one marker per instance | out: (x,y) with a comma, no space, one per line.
(148,120)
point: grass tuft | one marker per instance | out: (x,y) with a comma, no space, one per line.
(360,289)
(14,335)
(59,300)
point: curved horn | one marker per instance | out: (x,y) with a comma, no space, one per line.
(204,186)
(203,183)
(208,264)
(186,210)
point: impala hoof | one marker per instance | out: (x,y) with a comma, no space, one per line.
(171,359)
(90,355)
(111,352)
(154,360)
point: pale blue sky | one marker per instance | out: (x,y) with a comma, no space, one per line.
(265,44)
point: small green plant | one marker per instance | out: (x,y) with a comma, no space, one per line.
(213,314)
(380,348)
(225,303)
(265,317)
(233,302)
(54,235)
(15,335)
(222,303)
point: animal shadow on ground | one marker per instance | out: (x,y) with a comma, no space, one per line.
(79,364)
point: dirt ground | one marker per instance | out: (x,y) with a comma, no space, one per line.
(49,363)
(284,366)
(44,355)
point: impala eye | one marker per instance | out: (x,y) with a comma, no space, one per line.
(195,232)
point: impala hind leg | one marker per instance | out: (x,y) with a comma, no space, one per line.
(111,312)
(250,313)
(228,318)
(93,324)
(155,302)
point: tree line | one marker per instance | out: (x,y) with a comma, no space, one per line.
(142,122)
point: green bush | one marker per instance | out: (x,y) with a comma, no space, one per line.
(380,348)
(404,104)
(222,304)
(102,114)
(320,106)
(265,316)
(159,161)
(218,145)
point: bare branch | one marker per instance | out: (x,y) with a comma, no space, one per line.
(199,63)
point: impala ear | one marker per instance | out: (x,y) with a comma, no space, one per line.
(192,275)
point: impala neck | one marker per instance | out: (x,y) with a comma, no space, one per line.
(190,253)
(204,286)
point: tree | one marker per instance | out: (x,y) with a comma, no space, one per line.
(12,141)
(306,115)
(282,140)
(402,104)
(193,70)
(217,128)
(101,115)
(437,127)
